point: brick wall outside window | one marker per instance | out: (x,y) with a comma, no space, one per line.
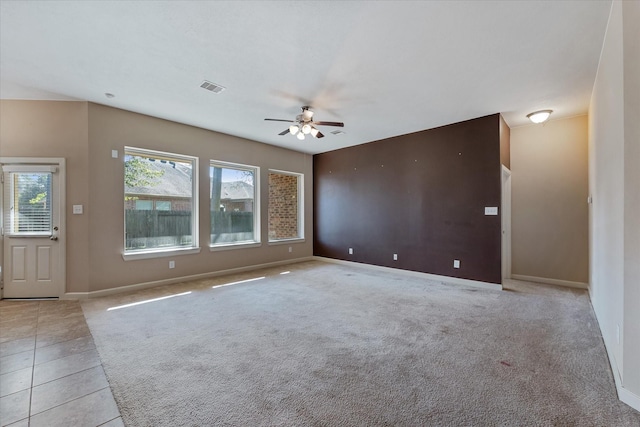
(283,206)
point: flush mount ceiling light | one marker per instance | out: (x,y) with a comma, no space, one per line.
(539,116)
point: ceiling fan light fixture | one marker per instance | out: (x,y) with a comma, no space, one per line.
(539,116)
(304,125)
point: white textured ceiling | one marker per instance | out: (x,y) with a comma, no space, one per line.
(383,68)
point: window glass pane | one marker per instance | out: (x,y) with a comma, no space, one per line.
(284,206)
(147,176)
(144,205)
(30,203)
(233,204)
(163,205)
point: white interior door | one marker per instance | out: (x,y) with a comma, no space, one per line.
(32,218)
(506,223)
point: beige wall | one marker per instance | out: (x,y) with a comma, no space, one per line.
(113,129)
(549,200)
(614,177)
(55,129)
(85,134)
(505,143)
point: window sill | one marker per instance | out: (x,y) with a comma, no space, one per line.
(234,246)
(133,256)
(287,241)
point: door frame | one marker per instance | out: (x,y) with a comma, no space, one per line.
(62,237)
(506,222)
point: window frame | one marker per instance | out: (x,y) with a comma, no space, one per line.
(130,255)
(257,239)
(300,216)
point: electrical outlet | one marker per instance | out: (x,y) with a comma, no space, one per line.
(456,263)
(172,264)
(395,257)
(350,251)
(290,249)
(491,210)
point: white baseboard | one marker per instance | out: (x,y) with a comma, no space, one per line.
(429,276)
(146,285)
(548,281)
(624,395)
(629,398)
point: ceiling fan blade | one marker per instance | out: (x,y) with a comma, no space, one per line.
(338,124)
(284,132)
(280,120)
(319,135)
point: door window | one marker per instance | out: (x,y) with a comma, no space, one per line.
(30,203)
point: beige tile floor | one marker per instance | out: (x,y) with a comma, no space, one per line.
(50,371)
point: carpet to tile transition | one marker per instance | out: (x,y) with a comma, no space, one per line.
(333,345)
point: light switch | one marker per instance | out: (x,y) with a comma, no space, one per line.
(491,210)
(114,154)
(456,263)
(77,209)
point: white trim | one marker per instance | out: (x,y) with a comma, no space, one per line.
(624,395)
(286,241)
(428,276)
(629,398)
(231,246)
(145,285)
(29,168)
(547,281)
(256,204)
(505,222)
(163,155)
(195,204)
(159,253)
(300,201)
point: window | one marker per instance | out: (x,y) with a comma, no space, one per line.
(234,204)
(163,205)
(29,197)
(285,206)
(149,175)
(144,205)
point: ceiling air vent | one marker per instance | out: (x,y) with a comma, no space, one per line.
(212,87)
(337,132)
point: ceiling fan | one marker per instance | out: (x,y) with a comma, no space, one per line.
(304,125)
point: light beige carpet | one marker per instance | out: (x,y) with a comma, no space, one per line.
(330,345)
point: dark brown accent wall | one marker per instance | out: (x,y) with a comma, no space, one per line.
(421,196)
